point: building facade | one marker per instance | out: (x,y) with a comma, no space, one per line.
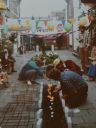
(13,8)
(61,14)
(70,8)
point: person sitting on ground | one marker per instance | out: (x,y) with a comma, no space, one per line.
(92,69)
(30,71)
(74,88)
(68,65)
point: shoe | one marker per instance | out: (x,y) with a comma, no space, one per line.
(14,71)
(29,82)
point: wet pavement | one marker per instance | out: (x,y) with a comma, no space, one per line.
(19,102)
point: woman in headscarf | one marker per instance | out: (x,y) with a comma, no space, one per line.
(68,65)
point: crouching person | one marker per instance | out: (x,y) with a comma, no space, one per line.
(73,86)
(30,72)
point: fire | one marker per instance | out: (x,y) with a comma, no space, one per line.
(49,92)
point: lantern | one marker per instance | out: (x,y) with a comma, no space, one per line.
(71,21)
(83,22)
(50,27)
(68,27)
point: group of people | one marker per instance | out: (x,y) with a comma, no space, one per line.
(68,73)
(85,50)
(73,86)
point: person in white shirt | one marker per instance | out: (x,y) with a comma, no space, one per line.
(83,47)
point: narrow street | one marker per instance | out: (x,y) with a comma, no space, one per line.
(67,29)
(19,102)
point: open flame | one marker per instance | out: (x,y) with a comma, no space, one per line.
(49,91)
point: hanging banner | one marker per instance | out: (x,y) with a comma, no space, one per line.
(83,22)
(39,25)
(19,24)
(50,25)
(60,27)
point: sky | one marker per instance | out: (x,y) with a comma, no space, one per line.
(37,8)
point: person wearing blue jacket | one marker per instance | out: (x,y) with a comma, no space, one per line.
(73,86)
(30,71)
